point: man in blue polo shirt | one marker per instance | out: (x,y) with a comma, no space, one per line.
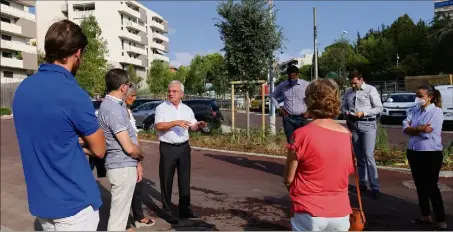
(51,112)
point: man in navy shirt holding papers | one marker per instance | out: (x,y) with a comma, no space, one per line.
(51,111)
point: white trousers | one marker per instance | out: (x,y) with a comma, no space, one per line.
(85,220)
(305,222)
(123,184)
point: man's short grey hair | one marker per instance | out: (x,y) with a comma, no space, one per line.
(177,82)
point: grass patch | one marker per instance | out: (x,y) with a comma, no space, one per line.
(276,145)
(5,111)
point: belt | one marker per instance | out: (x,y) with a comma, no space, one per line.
(175,144)
(295,115)
(362,119)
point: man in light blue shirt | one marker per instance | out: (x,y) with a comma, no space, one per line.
(361,105)
(292,92)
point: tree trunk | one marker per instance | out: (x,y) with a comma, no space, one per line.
(247,112)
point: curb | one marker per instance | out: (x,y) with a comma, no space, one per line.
(6,117)
(445,174)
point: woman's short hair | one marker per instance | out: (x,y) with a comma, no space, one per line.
(322,99)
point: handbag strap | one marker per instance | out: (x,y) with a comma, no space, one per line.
(356,177)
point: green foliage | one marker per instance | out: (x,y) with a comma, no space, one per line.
(381,139)
(159,76)
(90,75)
(5,111)
(423,49)
(41,58)
(19,56)
(305,72)
(250,35)
(134,77)
(196,78)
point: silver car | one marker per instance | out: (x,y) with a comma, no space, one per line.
(143,111)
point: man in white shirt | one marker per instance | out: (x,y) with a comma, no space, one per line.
(172,121)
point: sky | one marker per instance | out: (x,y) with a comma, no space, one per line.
(192,30)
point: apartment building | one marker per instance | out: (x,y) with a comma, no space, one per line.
(135,35)
(306,59)
(18,40)
(445,6)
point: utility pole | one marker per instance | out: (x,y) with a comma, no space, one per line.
(271,88)
(315,49)
(397,59)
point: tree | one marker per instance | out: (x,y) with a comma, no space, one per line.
(134,77)
(181,74)
(41,57)
(159,76)
(196,76)
(90,75)
(305,72)
(251,36)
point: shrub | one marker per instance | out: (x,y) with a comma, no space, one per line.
(5,111)
(381,139)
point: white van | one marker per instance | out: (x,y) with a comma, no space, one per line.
(446,91)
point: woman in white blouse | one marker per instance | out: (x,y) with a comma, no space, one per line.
(137,210)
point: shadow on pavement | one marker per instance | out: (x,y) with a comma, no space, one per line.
(265,166)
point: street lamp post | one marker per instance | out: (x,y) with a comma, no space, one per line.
(271,88)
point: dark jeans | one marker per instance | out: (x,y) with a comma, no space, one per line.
(291,123)
(175,157)
(137,209)
(425,168)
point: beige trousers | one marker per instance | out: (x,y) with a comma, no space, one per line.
(123,184)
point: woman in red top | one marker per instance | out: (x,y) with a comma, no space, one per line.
(319,163)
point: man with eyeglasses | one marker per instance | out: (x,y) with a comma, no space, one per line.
(123,153)
(172,121)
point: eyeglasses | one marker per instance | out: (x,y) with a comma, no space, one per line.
(173,91)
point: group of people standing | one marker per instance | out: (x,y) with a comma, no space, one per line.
(63,128)
(62,191)
(322,153)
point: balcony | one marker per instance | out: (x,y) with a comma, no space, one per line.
(129,36)
(157,25)
(17,46)
(161,57)
(64,7)
(11,28)
(83,14)
(12,63)
(17,13)
(129,11)
(135,26)
(160,36)
(157,46)
(130,60)
(134,49)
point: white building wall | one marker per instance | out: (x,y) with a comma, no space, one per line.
(108,15)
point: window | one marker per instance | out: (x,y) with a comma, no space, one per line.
(121,28)
(7,54)
(8,74)
(122,53)
(4,2)
(6,20)
(6,37)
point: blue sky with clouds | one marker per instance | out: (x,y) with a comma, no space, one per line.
(192,29)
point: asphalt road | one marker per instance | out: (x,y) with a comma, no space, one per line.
(394,133)
(229,192)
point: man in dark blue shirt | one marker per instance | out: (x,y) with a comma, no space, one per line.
(51,112)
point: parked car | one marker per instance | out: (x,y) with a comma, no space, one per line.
(204,110)
(96,105)
(256,104)
(143,112)
(396,107)
(446,92)
(139,101)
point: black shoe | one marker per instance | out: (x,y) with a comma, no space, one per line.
(363,189)
(171,219)
(440,228)
(376,194)
(188,215)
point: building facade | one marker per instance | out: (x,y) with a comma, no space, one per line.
(19,57)
(135,35)
(306,59)
(443,6)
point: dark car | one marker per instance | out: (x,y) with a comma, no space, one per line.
(203,109)
(96,105)
(140,101)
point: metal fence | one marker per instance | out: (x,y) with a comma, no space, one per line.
(224,102)
(8,88)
